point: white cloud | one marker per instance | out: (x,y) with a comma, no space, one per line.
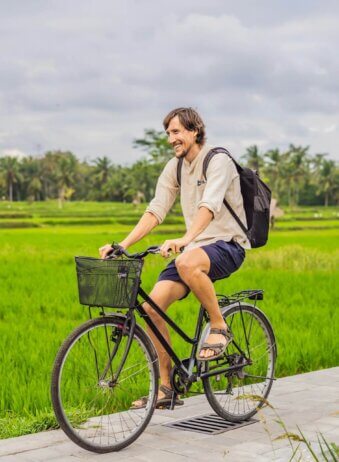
(13,153)
(330,128)
(91,76)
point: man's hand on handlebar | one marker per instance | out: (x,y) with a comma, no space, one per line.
(108,249)
(172,245)
(168,247)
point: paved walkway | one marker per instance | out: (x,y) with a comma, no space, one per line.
(308,400)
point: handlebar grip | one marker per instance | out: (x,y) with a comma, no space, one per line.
(181,249)
(153,247)
(115,251)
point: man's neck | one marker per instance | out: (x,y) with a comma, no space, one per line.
(193,152)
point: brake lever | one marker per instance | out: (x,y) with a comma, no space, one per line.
(154,249)
(110,256)
(116,251)
(170,251)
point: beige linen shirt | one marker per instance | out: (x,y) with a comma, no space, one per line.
(222,182)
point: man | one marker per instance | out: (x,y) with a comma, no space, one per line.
(213,243)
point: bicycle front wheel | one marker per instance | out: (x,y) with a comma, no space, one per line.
(237,393)
(94,384)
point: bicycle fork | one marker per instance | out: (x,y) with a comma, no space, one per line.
(127,327)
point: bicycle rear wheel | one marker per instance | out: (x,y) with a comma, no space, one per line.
(91,404)
(236,394)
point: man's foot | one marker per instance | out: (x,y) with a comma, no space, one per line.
(164,399)
(215,345)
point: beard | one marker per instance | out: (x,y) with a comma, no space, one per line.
(182,155)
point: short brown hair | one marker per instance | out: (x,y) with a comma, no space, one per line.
(190,119)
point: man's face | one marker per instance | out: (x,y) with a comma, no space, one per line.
(181,139)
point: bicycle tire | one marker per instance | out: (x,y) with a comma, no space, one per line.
(242,399)
(90,409)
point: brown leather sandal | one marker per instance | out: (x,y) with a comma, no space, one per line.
(218,348)
(162,403)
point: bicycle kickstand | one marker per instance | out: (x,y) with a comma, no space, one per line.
(173,399)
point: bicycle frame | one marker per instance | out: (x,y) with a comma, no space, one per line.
(193,341)
(104,363)
(257,294)
(188,371)
(128,324)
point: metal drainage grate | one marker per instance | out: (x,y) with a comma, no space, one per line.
(210,424)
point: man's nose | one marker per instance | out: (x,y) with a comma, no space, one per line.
(171,138)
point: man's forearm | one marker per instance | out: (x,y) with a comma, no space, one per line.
(145,225)
(202,219)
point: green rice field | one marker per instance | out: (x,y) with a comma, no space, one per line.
(298,271)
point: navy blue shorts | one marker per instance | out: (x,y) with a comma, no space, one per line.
(225,258)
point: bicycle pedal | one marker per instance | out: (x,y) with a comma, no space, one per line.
(163,407)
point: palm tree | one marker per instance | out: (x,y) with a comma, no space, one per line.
(157,146)
(65,174)
(326,177)
(102,169)
(31,169)
(274,170)
(100,175)
(253,158)
(59,170)
(49,166)
(10,167)
(299,170)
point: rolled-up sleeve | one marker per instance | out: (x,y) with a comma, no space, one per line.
(165,192)
(220,173)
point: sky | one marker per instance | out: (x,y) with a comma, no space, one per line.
(91,76)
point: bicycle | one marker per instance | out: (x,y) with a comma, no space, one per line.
(109,361)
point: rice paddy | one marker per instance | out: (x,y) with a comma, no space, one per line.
(298,271)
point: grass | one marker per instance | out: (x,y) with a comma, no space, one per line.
(39,303)
(300,447)
(41,214)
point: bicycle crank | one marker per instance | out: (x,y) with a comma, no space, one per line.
(179,382)
(239,362)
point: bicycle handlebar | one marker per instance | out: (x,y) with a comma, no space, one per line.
(117,250)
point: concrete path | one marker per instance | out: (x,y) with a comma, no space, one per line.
(308,400)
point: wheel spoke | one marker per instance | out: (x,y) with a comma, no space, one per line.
(95,411)
(236,395)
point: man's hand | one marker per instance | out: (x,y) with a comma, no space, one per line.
(106,250)
(200,223)
(175,245)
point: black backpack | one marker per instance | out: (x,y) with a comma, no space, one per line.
(256,196)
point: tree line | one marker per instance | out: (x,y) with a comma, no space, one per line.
(295,176)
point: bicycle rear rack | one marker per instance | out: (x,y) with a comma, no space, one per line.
(252,294)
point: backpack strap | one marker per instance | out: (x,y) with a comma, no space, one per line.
(214,151)
(179,167)
(207,160)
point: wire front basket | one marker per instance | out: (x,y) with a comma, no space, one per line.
(111,283)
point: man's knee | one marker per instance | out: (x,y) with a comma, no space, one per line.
(156,318)
(161,295)
(189,266)
(183,264)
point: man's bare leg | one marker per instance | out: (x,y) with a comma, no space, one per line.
(164,294)
(193,267)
